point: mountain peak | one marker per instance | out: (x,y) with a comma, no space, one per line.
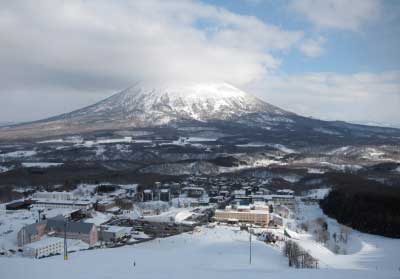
(153,104)
(191,89)
(162,103)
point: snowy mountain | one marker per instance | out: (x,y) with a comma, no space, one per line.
(170,104)
(146,105)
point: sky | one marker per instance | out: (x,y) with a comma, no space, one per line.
(327,59)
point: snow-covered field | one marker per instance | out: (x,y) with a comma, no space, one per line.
(40,164)
(361,251)
(19,154)
(283,148)
(222,252)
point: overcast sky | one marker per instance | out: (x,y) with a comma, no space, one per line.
(330,59)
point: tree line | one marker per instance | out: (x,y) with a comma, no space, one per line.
(365,205)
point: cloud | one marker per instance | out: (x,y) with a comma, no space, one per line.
(54,46)
(338,14)
(350,97)
(312,47)
(123,41)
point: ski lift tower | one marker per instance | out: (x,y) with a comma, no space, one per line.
(65,239)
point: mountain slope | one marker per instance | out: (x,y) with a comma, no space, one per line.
(212,104)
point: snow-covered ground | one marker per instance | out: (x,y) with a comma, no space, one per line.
(40,164)
(255,144)
(252,164)
(222,252)
(361,251)
(283,148)
(5,169)
(317,193)
(341,167)
(19,154)
(315,170)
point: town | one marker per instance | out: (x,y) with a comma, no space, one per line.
(48,223)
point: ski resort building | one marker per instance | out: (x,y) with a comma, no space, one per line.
(253,214)
(44,247)
(54,195)
(86,232)
(73,204)
(17,205)
(113,233)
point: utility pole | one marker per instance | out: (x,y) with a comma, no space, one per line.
(39,212)
(65,241)
(250,244)
(101,236)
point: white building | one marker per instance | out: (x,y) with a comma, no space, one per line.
(255,214)
(54,195)
(113,233)
(44,247)
(285,192)
(74,204)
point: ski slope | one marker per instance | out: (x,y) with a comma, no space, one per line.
(222,252)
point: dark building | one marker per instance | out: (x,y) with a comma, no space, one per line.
(19,205)
(255,189)
(165,195)
(213,193)
(147,195)
(248,190)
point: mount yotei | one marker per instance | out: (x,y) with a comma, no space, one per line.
(176,104)
(145,105)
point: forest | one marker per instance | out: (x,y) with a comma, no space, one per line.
(365,205)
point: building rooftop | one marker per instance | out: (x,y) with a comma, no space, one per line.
(192,188)
(115,229)
(255,211)
(72,227)
(66,202)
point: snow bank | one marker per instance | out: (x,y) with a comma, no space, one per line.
(317,193)
(5,169)
(40,164)
(20,154)
(183,215)
(282,148)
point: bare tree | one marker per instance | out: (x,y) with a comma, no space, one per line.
(345,232)
(297,257)
(304,227)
